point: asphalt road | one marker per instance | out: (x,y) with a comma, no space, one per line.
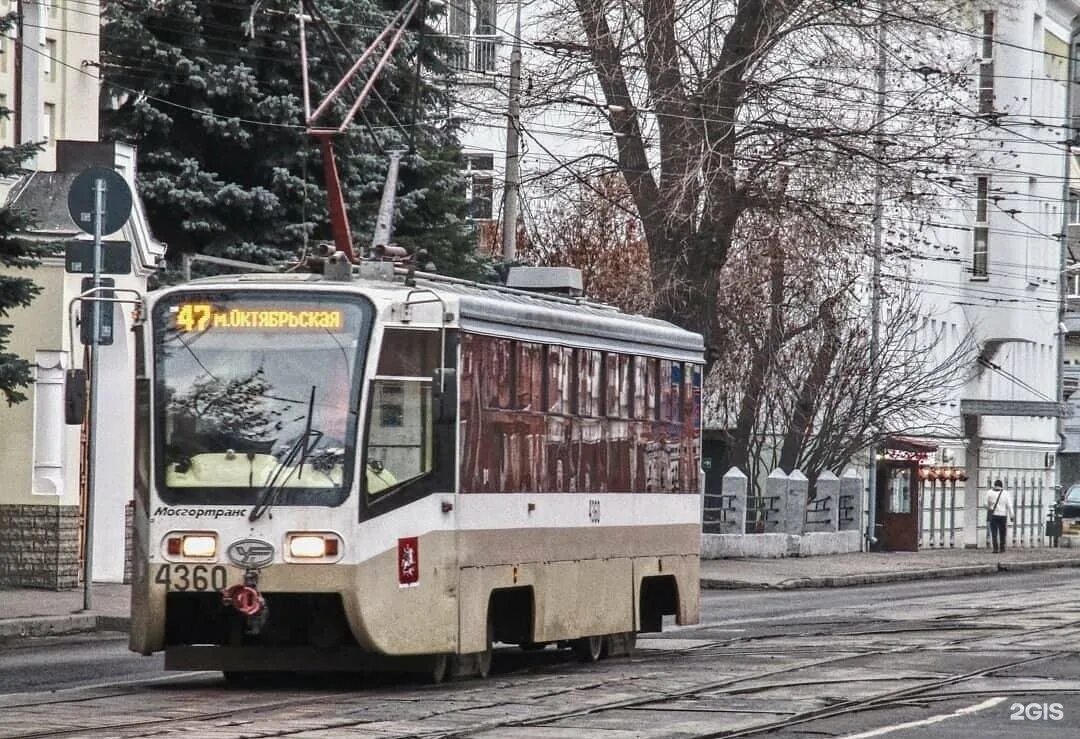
(57,663)
(975,657)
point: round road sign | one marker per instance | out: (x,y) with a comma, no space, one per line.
(117,200)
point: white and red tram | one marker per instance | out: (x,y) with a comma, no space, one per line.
(336,474)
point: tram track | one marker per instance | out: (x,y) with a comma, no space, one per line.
(243,714)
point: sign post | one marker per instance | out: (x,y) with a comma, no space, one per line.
(96,214)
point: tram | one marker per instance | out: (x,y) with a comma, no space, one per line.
(369,469)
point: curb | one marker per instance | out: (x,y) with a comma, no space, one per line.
(874,578)
(76,623)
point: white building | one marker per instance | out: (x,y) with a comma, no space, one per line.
(558,122)
(43,496)
(55,46)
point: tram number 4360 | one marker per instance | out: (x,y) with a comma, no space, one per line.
(191,577)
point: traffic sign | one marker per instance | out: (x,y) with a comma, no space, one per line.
(117,200)
(105,309)
(115,257)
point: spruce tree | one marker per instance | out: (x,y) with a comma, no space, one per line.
(211,94)
(16,291)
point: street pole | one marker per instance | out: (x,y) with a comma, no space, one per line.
(91,441)
(875,279)
(512,182)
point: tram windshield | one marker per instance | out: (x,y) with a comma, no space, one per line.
(257,390)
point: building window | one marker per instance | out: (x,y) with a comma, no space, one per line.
(5,50)
(484,42)
(472,23)
(1055,57)
(1074,208)
(48,124)
(5,112)
(986,66)
(981,246)
(481,185)
(50,59)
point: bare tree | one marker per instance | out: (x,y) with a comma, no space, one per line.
(796,385)
(592,228)
(748,134)
(708,101)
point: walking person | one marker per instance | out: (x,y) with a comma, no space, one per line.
(999,509)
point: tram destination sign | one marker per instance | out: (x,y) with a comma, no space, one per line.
(195,317)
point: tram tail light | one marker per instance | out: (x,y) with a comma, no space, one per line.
(314,546)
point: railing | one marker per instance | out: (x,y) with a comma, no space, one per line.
(848,509)
(1030,505)
(762,513)
(718,513)
(941,514)
(475,54)
(818,511)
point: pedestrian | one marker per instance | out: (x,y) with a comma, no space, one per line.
(999,509)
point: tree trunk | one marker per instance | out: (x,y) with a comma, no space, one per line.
(764,354)
(803,414)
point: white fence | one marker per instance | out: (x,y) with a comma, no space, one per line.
(941,510)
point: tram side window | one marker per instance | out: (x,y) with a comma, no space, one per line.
(529,376)
(589,379)
(496,372)
(400,424)
(670,391)
(652,389)
(617,386)
(558,384)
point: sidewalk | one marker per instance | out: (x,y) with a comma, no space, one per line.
(29,612)
(867,568)
(26,612)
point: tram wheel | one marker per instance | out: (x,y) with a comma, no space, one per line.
(589,648)
(440,667)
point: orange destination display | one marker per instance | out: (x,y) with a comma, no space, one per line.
(192,317)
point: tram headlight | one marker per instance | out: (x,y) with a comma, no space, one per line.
(314,546)
(196,546)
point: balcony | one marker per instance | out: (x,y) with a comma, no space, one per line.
(475,57)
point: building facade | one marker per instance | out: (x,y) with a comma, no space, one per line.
(48,75)
(44,501)
(991,275)
(49,80)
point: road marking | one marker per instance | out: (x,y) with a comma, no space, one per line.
(675,645)
(928,721)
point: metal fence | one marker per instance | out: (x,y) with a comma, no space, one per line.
(941,514)
(762,513)
(718,512)
(941,511)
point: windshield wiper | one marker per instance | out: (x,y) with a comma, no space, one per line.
(300,448)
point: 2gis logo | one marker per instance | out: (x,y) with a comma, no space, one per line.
(1036,712)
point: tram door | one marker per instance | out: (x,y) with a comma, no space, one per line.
(898,507)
